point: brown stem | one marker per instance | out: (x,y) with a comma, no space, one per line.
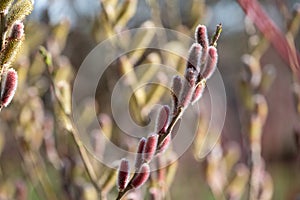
(129,187)
(172,124)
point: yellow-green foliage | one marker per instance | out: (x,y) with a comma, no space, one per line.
(18,11)
(4,5)
(10,51)
(40,146)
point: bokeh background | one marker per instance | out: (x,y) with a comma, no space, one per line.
(70,29)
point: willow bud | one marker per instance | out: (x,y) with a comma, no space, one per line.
(188,88)
(176,89)
(150,147)
(194,57)
(198,91)
(17,31)
(201,36)
(211,64)
(162,119)
(141,177)
(139,155)
(202,39)
(123,174)
(9,82)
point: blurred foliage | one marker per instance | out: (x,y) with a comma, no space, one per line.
(42,156)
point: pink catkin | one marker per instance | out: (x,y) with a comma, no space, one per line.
(198,92)
(150,147)
(162,119)
(188,87)
(141,177)
(212,61)
(9,82)
(194,57)
(139,155)
(176,86)
(176,89)
(123,174)
(17,30)
(201,36)
(202,39)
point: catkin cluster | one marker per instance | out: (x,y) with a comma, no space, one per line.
(201,64)
(12,36)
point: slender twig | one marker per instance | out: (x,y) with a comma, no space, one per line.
(173,122)
(85,157)
(216,35)
(175,118)
(74,132)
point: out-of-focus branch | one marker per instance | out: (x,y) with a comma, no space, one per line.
(288,52)
(71,128)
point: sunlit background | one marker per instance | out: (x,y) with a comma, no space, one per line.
(84,30)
